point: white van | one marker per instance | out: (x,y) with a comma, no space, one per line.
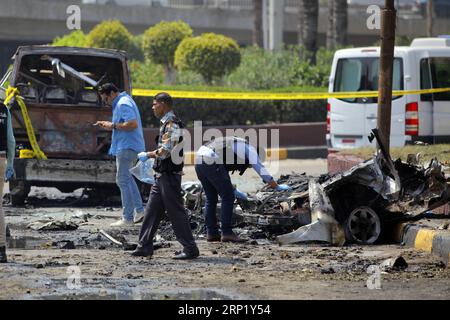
(423,65)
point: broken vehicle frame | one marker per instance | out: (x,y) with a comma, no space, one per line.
(356,205)
(58,87)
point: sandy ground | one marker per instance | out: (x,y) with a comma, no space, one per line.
(40,268)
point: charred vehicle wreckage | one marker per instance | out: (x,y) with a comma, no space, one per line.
(58,87)
(356,206)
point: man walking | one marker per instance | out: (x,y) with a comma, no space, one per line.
(127,141)
(7,153)
(213,163)
(165,194)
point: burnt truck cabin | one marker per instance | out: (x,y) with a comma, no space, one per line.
(63,108)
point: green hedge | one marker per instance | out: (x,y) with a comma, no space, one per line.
(75,38)
(110,34)
(211,55)
(238,112)
(161,40)
(280,71)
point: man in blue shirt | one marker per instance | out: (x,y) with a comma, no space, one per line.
(127,141)
(7,153)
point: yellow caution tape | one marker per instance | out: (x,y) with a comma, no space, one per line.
(14,93)
(277,96)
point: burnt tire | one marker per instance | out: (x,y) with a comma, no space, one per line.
(362,226)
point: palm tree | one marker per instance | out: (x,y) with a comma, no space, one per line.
(330,43)
(308,26)
(430,18)
(337,23)
(340,21)
(257,34)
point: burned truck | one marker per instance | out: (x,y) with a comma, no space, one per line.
(58,87)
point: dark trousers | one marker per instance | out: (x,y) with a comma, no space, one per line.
(165,195)
(216,181)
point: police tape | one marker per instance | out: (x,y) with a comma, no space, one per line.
(14,93)
(277,96)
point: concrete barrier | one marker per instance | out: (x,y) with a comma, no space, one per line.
(436,242)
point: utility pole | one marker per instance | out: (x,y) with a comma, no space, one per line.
(388,16)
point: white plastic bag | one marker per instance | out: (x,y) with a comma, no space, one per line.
(143,171)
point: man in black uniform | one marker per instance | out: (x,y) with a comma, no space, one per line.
(7,152)
(165,194)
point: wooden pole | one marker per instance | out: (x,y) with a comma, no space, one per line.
(388,16)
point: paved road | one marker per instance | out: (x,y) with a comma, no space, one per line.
(249,182)
(259,269)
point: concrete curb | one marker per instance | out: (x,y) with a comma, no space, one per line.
(436,242)
(312,152)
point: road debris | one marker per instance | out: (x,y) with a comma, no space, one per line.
(354,206)
(65,244)
(53,225)
(397,263)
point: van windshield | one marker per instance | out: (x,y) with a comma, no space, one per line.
(435,73)
(361,74)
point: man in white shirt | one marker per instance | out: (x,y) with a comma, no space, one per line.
(214,161)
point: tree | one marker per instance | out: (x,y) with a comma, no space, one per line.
(211,55)
(74,39)
(160,43)
(135,51)
(308,26)
(110,34)
(257,23)
(330,44)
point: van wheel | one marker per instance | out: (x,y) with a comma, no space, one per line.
(362,226)
(18,191)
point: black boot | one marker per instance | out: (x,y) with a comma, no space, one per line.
(3,255)
(142,252)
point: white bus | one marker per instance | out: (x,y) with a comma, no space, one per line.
(425,64)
